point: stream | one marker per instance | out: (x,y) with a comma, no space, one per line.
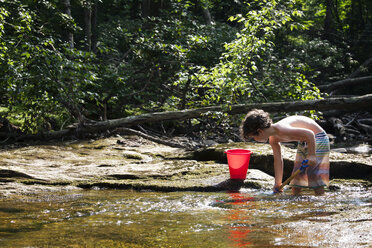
(128,218)
(137,194)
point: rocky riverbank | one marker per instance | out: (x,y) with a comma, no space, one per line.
(132,162)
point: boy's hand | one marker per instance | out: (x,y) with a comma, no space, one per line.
(311,160)
(276,189)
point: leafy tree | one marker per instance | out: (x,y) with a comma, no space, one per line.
(41,75)
(252,69)
(73,60)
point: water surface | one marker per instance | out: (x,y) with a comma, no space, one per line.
(249,218)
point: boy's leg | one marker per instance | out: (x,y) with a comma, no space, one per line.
(319,191)
(320,175)
(296,191)
(300,179)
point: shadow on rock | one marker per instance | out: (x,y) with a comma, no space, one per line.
(230,184)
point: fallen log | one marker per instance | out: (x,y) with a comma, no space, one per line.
(350,103)
(344,103)
(344,83)
(148,137)
(362,67)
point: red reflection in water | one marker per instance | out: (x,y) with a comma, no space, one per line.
(240,219)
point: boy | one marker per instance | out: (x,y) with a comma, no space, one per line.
(313,145)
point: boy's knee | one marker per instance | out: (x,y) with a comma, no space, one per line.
(296,191)
(319,191)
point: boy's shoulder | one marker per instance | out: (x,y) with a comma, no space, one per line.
(295,118)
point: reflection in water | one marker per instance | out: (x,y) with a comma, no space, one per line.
(240,219)
(249,218)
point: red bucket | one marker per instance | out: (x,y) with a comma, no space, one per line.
(238,160)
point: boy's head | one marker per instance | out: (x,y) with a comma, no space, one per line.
(254,120)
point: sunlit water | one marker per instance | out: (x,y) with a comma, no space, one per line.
(249,218)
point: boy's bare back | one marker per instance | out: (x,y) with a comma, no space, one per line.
(289,124)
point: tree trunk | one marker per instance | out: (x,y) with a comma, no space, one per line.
(88,27)
(184,93)
(146,6)
(148,137)
(151,7)
(105,105)
(94,27)
(358,18)
(345,83)
(361,68)
(206,13)
(329,21)
(207,16)
(69,36)
(351,103)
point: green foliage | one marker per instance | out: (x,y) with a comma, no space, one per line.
(254,51)
(156,51)
(41,76)
(324,60)
(252,68)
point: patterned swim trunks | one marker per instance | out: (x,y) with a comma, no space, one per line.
(318,175)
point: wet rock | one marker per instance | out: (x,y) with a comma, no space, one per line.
(255,180)
(105,164)
(210,143)
(7,174)
(341,165)
(361,149)
(261,157)
(230,184)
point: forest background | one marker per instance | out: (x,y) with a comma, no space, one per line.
(77,61)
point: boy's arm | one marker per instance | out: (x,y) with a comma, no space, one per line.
(302,134)
(309,137)
(311,150)
(278,161)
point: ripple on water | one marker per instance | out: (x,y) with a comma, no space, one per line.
(192,219)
